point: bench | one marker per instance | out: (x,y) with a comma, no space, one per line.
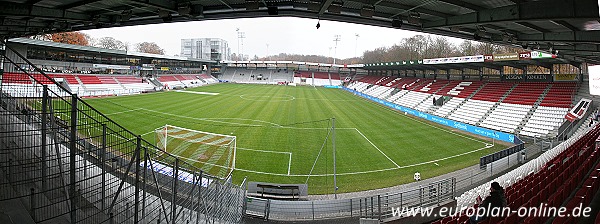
(277,191)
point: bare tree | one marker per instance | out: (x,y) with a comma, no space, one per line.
(110,43)
(151,48)
(441,47)
(467,48)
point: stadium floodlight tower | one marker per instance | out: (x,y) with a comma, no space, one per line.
(356,44)
(336,39)
(240,35)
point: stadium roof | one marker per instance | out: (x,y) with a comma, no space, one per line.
(570,26)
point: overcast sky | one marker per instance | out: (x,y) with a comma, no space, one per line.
(282,34)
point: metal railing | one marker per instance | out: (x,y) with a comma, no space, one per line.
(67,162)
(376,207)
(380,206)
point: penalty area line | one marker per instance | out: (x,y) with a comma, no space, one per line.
(364,172)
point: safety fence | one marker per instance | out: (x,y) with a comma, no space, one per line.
(67,162)
(375,207)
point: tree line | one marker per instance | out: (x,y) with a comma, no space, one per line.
(421,47)
(413,48)
(78,38)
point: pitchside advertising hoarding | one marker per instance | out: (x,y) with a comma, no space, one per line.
(594,72)
(454,60)
(565,77)
(409,62)
(450,123)
(506,57)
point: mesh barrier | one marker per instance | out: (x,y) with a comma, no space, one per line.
(67,162)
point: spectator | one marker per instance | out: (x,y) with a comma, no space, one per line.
(495,200)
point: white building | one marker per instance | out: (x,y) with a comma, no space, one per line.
(205,48)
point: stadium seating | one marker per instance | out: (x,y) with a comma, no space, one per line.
(448,107)
(16,78)
(412,99)
(433,86)
(503,106)
(553,185)
(89,79)
(506,117)
(317,78)
(493,91)
(471,111)
(544,120)
(86,85)
(526,93)
(560,95)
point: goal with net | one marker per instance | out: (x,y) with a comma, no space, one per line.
(213,153)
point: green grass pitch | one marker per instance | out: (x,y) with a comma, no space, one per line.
(284,131)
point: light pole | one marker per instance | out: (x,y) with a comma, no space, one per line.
(268,53)
(329,53)
(355,44)
(240,35)
(336,38)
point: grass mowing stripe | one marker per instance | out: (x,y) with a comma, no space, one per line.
(409,142)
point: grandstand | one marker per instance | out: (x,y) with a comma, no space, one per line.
(526,109)
(504,106)
(280,72)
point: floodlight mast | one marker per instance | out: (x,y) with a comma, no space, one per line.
(240,35)
(356,44)
(336,39)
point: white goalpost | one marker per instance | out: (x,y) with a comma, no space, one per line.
(213,153)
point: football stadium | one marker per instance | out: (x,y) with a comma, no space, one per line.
(98,135)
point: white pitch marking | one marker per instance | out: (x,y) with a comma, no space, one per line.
(362,172)
(120,112)
(258,150)
(290,164)
(194,92)
(377,148)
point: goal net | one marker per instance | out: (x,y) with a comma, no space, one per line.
(213,153)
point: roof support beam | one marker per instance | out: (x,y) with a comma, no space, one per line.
(591,48)
(565,24)
(77,4)
(530,11)
(463,4)
(565,37)
(163,5)
(32,2)
(533,27)
(325,6)
(406,8)
(16,9)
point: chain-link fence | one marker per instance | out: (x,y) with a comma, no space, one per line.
(67,162)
